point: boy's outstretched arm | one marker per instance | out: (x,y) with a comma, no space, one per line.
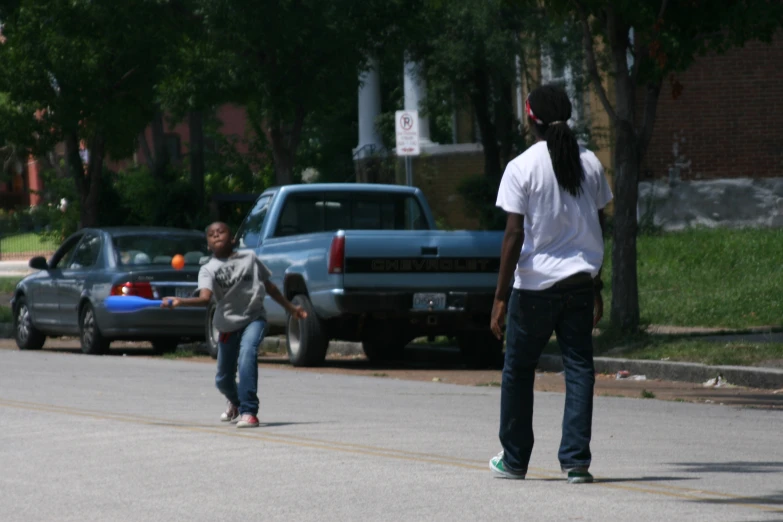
(203,299)
(280,299)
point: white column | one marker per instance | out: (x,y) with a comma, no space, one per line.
(416,97)
(369,109)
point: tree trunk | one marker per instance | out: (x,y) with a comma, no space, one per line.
(627,164)
(75,166)
(504,121)
(159,150)
(284,139)
(89,210)
(489,138)
(282,155)
(196,124)
(625,290)
(88,183)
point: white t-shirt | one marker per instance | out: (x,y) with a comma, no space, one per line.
(562,232)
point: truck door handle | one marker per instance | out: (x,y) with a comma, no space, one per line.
(429,251)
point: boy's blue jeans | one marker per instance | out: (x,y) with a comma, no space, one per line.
(532,317)
(240,348)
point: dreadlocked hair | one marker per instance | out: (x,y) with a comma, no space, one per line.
(551,105)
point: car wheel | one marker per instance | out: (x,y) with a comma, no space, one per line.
(211,334)
(305,338)
(480,350)
(28,337)
(92,340)
(382,344)
(164,345)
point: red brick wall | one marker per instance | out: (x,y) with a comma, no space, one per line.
(728,122)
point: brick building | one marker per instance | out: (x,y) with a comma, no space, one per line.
(728,121)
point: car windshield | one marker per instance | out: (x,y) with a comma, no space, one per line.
(159,249)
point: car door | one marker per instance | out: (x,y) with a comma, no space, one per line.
(72,280)
(45,303)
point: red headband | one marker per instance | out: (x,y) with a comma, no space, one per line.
(529,112)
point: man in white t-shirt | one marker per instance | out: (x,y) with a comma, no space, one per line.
(554,194)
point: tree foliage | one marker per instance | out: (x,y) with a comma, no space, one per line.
(87,70)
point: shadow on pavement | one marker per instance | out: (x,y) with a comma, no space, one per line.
(642,479)
(773,499)
(729,467)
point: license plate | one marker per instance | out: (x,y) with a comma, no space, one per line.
(184,292)
(429,301)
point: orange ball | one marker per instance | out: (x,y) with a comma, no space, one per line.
(178,262)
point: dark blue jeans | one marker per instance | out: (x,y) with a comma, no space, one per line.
(240,348)
(532,317)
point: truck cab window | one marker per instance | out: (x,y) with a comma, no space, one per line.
(373,211)
(302,214)
(249,233)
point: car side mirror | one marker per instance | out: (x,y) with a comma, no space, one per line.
(39,263)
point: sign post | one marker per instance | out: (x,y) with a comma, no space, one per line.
(407,131)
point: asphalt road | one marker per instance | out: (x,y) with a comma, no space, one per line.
(132,438)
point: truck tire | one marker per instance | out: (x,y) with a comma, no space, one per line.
(480,350)
(27,336)
(383,344)
(305,338)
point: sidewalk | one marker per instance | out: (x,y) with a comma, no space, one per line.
(748,376)
(15,268)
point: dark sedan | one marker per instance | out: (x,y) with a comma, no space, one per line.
(66,296)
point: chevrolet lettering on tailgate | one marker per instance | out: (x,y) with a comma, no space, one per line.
(481,265)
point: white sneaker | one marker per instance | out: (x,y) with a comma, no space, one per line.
(231,414)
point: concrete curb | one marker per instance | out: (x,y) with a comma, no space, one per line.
(278,345)
(769,378)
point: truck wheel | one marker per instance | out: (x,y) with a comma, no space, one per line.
(480,350)
(305,338)
(211,334)
(383,344)
(27,336)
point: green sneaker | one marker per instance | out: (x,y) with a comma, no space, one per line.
(579,476)
(499,468)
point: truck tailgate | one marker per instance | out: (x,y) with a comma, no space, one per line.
(421,260)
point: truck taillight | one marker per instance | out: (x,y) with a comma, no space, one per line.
(138,289)
(337,254)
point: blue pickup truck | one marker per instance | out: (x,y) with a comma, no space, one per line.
(368,264)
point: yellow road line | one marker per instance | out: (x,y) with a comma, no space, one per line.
(359,449)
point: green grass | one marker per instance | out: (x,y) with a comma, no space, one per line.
(8,284)
(682,349)
(646,394)
(708,352)
(701,277)
(29,242)
(5,314)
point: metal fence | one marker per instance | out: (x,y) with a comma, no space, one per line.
(24,245)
